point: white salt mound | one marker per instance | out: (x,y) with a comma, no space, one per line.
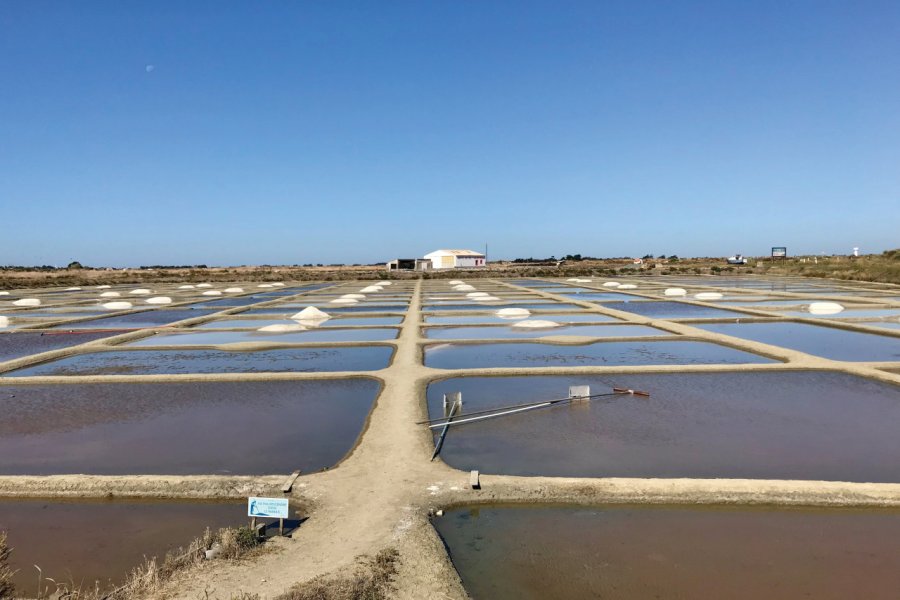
(204,285)
(582,280)
(27,302)
(103,287)
(708,296)
(234,290)
(825,308)
(73,289)
(477,294)
(611,284)
(627,286)
(464,288)
(513,313)
(383,283)
(486,299)
(110,295)
(140,292)
(354,296)
(311,312)
(573,279)
(369,289)
(344,301)
(159,300)
(262,285)
(535,324)
(277,284)
(116,305)
(675,292)
(4,322)
(281,328)
(4,293)
(310,323)
(212,293)
(455,282)
(185,287)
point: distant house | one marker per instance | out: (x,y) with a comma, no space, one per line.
(409,264)
(456,259)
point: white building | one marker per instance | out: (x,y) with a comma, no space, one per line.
(455,259)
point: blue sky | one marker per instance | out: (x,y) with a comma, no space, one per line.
(292,132)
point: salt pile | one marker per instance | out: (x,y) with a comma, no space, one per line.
(464,287)
(27,302)
(825,308)
(110,295)
(369,289)
(355,296)
(4,293)
(159,300)
(212,293)
(281,328)
(311,312)
(277,284)
(72,289)
(513,313)
(262,285)
(455,282)
(477,294)
(4,322)
(344,301)
(116,305)
(611,284)
(185,287)
(486,299)
(535,324)
(627,286)
(204,285)
(103,287)
(140,292)
(708,296)
(383,283)
(675,292)
(234,290)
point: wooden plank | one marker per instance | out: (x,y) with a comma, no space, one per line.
(289,482)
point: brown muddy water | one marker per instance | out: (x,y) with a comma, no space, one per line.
(790,425)
(85,541)
(181,428)
(631,553)
(25,343)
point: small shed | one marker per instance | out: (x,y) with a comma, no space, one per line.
(456,259)
(409,264)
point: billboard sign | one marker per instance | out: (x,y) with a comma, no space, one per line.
(779,252)
(273,508)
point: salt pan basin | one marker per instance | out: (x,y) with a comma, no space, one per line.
(745,425)
(70,540)
(119,428)
(525,355)
(639,552)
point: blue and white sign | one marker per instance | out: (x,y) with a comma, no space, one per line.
(273,508)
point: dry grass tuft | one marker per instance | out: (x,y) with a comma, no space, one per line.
(7,589)
(371,579)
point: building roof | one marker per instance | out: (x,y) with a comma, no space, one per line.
(456,253)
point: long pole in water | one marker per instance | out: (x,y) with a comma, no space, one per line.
(440,442)
(499,408)
(509,410)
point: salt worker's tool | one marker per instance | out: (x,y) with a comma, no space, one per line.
(456,399)
(576,394)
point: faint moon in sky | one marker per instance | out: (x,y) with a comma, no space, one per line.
(149,68)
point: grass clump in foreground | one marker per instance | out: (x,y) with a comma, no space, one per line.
(370,579)
(232,543)
(6,573)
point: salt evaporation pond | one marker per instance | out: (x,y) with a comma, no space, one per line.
(213,338)
(634,553)
(581,316)
(786,425)
(231,323)
(102,541)
(25,343)
(181,428)
(600,297)
(672,310)
(492,306)
(529,355)
(362,307)
(165,362)
(828,342)
(146,318)
(464,333)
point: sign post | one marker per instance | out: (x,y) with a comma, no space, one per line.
(273,508)
(779,252)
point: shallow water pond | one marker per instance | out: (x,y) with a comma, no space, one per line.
(161,362)
(632,553)
(181,428)
(214,338)
(25,343)
(581,316)
(788,425)
(464,333)
(147,318)
(72,541)
(672,310)
(525,355)
(232,323)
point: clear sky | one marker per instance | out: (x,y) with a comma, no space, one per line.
(291,132)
